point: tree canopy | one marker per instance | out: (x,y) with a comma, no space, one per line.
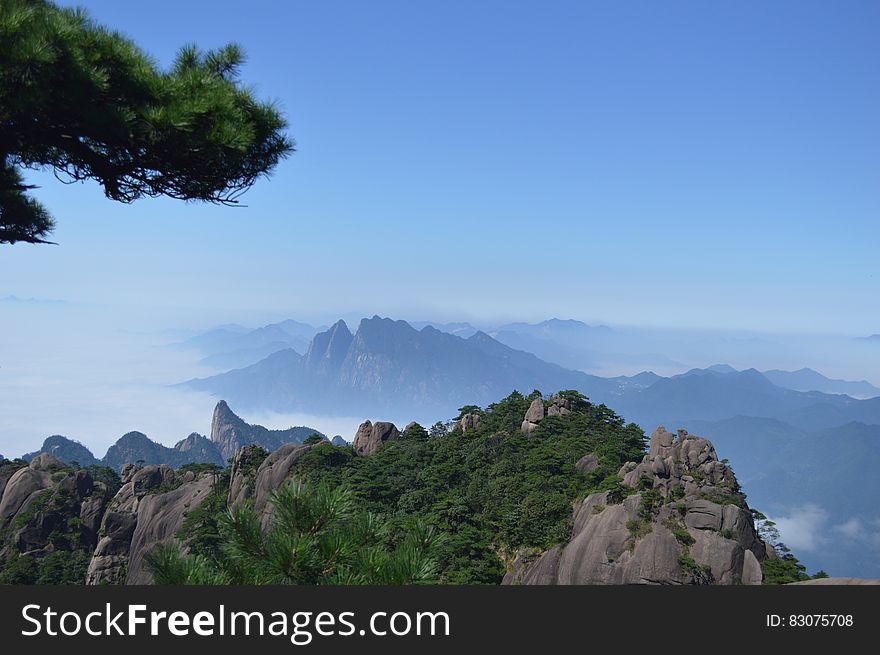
(316,535)
(89,104)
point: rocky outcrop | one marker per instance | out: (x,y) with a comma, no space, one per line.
(370,437)
(243,474)
(47,508)
(557,406)
(328,350)
(137,448)
(839,581)
(159,517)
(133,448)
(66,450)
(229,433)
(197,449)
(470,421)
(147,510)
(25,484)
(677,517)
(588,463)
(271,473)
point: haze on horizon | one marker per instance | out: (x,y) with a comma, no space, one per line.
(684,168)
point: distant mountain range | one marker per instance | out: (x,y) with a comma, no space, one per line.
(234,346)
(806,379)
(388,365)
(228,434)
(709,395)
(794,437)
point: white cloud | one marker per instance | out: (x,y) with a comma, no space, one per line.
(804,528)
(853,528)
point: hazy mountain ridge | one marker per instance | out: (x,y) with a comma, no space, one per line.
(235,346)
(390,364)
(229,433)
(806,379)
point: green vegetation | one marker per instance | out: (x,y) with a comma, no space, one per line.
(699,574)
(201,526)
(490,490)
(105,474)
(682,535)
(725,497)
(442,506)
(316,536)
(52,534)
(89,104)
(785,567)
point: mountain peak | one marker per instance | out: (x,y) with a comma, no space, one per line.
(328,349)
(721,368)
(65,449)
(230,433)
(223,414)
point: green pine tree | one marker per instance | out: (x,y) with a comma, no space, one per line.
(315,536)
(89,104)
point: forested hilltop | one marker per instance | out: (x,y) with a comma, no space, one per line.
(469,501)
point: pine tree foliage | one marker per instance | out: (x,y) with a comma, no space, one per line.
(315,535)
(89,104)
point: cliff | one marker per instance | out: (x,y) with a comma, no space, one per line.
(676,517)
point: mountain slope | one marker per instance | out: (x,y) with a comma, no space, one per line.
(806,379)
(234,346)
(822,479)
(707,395)
(66,450)
(229,433)
(388,364)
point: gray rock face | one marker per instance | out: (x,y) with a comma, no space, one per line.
(7,470)
(470,421)
(255,482)
(109,563)
(243,473)
(370,437)
(138,518)
(558,406)
(48,508)
(535,412)
(229,433)
(20,489)
(588,463)
(67,450)
(683,521)
(275,470)
(25,484)
(159,517)
(328,349)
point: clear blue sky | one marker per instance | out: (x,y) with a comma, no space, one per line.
(712,164)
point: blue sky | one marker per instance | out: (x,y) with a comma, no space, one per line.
(703,164)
